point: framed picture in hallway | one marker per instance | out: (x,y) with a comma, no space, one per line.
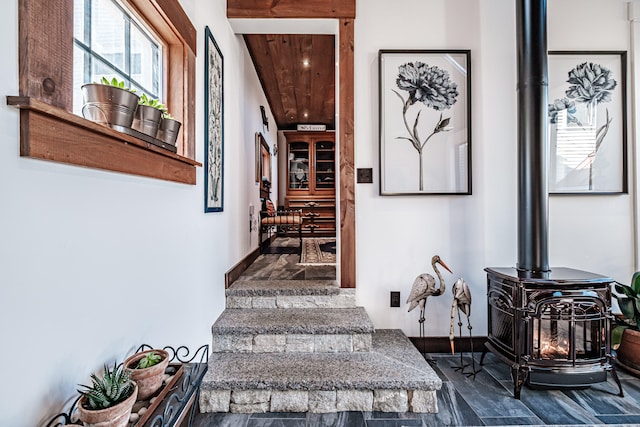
(425,117)
(214,126)
(588,122)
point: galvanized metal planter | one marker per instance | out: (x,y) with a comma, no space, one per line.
(109,105)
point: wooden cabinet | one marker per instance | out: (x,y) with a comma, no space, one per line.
(311,173)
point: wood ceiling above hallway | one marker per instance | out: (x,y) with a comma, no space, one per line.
(297,73)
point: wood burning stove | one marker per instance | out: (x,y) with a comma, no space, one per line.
(553,329)
(551,325)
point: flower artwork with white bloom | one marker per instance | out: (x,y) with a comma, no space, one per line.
(587,123)
(424,110)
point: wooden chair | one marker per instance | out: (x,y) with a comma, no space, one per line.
(272,220)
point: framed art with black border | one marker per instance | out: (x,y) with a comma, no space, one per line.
(425,122)
(214,126)
(588,122)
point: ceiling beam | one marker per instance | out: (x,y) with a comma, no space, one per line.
(291,9)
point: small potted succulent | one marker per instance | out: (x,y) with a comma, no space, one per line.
(148,115)
(169,128)
(626,332)
(147,370)
(109,400)
(109,102)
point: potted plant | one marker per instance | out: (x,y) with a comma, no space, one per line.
(169,128)
(109,102)
(148,115)
(147,370)
(626,334)
(108,401)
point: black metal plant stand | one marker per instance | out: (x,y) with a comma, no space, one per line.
(182,396)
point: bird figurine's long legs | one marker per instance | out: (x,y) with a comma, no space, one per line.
(462,301)
(423,287)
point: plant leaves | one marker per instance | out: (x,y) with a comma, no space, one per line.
(616,336)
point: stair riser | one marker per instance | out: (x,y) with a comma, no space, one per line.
(318,401)
(343,300)
(291,343)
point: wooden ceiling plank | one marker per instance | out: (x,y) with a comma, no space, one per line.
(291,9)
(301,51)
(280,49)
(260,53)
(323,79)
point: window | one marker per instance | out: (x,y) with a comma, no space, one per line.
(48,128)
(109,42)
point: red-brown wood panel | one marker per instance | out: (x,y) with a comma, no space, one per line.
(347,182)
(291,8)
(45,30)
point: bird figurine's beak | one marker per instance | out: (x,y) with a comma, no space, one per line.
(452,347)
(444,265)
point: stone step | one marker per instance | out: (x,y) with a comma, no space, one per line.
(293,330)
(393,377)
(289,294)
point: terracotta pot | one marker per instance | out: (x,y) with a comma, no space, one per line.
(149,380)
(115,416)
(629,351)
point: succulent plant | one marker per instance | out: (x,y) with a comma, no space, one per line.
(150,359)
(152,102)
(114,387)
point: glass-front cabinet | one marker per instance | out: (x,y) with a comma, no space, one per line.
(311,167)
(311,180)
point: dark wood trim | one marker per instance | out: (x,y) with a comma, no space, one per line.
(40,76)
(442,344)
(291,9)
(51,133)
(236,271)
(180,22)
(347,178)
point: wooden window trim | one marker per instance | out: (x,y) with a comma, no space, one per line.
(48,129)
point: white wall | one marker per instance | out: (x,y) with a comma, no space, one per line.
(94,263)
(397,236)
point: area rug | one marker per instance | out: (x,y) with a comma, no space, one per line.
(318,251)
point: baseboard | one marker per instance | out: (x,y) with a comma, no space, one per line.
(237,270)
(442,344)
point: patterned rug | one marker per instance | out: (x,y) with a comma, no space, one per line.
(318,251)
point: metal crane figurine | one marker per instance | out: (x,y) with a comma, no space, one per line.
(423,287)
(462,301)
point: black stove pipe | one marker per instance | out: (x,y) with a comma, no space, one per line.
(533,152)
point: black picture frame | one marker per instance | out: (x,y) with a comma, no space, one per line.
(588,122)
(415,121)
(214,126)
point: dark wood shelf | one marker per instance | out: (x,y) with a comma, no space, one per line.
(51,133)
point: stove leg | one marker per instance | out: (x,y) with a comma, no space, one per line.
(519,376)
(614,374)
(485,350)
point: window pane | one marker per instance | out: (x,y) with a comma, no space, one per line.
(142,60)
(101,69)
(78,79)
(108,32)
(78,20)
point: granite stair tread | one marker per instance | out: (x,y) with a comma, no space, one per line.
(293,321)
(252,288)
(392,364)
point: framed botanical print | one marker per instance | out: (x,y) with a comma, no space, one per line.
(588,122)
(425,117)
(214,121)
